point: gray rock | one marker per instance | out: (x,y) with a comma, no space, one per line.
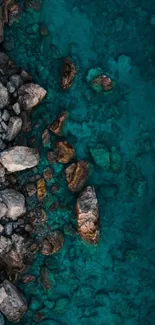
(2,145)
(14,127)
(5,115)
(25,76)
(3,210)
(19,158)
(16,80)
(4,96)
(8,229)
(5,245)
(30,95)
(16,108)
(4,125)
(11,87)
(3,136)
(2,171)
(15,203)
(12,303)
(1,319)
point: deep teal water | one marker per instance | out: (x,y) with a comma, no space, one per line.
(113,283)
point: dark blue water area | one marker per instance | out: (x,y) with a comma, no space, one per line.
(114,282)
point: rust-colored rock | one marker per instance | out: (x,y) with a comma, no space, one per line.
(76,175)
(52,243)
(64,152)
(41,189)
(57,125)
(104,81)
(68,74)
(48,174)
(51,157)
(44,278)
(45,138)
(88,215)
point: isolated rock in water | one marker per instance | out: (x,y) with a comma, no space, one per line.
(12,303)
(57,125)
(76,175)
(88,215)
(30,95)
(64,152)
(14,127)
(19,158)
(52,243)
(4,96)
(15,203)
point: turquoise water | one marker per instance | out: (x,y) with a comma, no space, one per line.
(113,283)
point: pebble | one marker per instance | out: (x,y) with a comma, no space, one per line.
(5,115)
(16,108)
(2,145)
(8,229)
(4,125)
(11,87)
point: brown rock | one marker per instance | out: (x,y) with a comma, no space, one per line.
(51,157)
(68,74)
(44,278)
(48,174)
(64,152)
(45,138)
(88,215)
(57,125)
(52,243)
(76,175)
(41,189)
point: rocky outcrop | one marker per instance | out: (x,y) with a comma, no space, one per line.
(88,215)
(19,158)
(76,175)
(30,95)
(12,303)
(13,203)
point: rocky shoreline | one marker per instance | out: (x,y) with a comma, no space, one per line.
(18,96)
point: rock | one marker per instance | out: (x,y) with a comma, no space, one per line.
(26,127)
(19,158)
(101,157)
(115,158)
(16,108)
(45,138)
(8,228)
(76,175)
(64,152)
(12,303)
(44,278)
(68,74)
(5,116)
(4,59)
(41,189)
(30,95)
(4,96)
(4,126)
(31,189)
(16,80)
(11,87)
(52,243)
(15,203)
(14,13)
(14,127)
(88,215)
(25,76)
(51,157)
(1,229)
(2,145)
(2,170)
(3,210)
(48,174)
(57,125)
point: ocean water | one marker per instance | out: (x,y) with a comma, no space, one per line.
(112,283)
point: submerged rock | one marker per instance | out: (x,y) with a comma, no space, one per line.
(88,215)
(64,152)
(76,175)
(19,158)
(68,74)
(41,189)
(57,125)
(101,157)
(14,202)
(52,243)
(45,138)
(30,95)
(14,127)
(12,303)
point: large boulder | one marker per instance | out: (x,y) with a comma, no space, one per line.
(14,202)
(88,215)
(19,158)
(12,303)
(30,95)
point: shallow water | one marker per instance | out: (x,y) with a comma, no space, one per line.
(113,283)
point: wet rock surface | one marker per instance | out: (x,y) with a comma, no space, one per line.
(76,175)
(30,95)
